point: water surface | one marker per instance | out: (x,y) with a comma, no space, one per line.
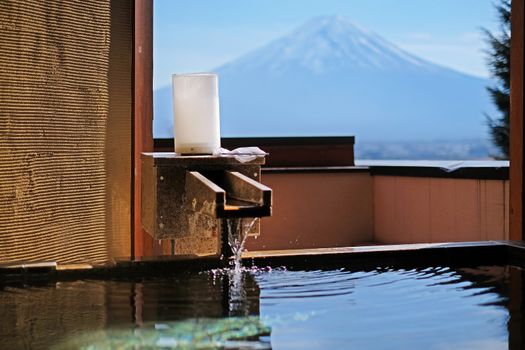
(384,308)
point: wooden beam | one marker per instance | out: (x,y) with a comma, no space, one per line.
(143,115)
(516,122)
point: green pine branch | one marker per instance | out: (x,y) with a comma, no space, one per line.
(498,59)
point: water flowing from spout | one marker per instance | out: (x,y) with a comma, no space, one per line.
(237,233)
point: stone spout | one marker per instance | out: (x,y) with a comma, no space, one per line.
(188,198)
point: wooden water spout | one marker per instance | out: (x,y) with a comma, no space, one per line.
(188,198)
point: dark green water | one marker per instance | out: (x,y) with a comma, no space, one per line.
(426,308)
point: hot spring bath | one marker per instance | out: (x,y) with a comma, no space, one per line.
(306,305)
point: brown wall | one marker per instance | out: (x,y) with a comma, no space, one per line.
(317,209)
(331,209)
(517,208)
(425,209)
(65,130)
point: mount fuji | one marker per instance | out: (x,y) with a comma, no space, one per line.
(332,77)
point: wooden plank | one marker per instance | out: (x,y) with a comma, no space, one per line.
(494,210)
(386,231)
(142,244)
(290,151)
(516,122)
(443,210)
(515,305)
(507,210)
(469,210)
(413,209)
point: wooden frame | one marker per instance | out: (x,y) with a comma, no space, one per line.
(516,122)
(321,151)
(141,243)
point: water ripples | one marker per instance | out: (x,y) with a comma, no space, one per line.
(323,309)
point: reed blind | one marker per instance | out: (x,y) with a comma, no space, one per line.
(65,130)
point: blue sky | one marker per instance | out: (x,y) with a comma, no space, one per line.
(199,35)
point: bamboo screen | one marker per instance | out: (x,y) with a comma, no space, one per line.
(65,130)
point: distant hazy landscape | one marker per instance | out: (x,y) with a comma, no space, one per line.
(429,150)
(332,77)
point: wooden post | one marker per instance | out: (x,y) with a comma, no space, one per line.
(516,122)
(515,324)
(143,115)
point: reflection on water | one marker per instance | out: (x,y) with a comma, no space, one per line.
(431,308)
(203,333)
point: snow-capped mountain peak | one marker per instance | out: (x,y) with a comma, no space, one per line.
(325,44)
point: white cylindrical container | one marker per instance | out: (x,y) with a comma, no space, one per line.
(196,113)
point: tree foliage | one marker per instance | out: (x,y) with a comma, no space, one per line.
(499,62)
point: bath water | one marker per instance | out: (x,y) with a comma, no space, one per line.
(432,307)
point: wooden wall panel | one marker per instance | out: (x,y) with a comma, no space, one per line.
(64,86)
(467,213)
(442,221)
(383,195)
(423,210)
(494,206)
(412,208)
(507,210)
(143,244)
(516,121)
(317,209)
